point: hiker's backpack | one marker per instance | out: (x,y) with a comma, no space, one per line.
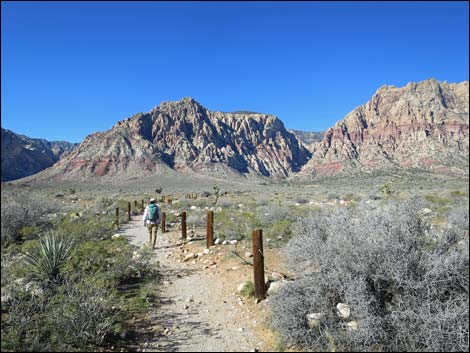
(153,213)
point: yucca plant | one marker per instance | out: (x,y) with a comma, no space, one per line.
(47,259)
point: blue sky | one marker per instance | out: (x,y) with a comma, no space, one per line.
(69,69)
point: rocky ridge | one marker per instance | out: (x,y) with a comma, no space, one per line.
(23,156)
(309,138)
(186,137)
(423,125)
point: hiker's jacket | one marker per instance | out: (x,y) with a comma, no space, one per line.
(146,216)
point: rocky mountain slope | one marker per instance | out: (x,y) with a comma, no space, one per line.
(184,136)
(423,125)
(23,156)
(309,138)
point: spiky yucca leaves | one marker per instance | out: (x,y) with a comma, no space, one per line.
(47,259)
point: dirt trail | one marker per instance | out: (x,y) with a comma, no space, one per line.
(199,309)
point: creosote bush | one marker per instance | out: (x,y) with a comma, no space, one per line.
(406,284)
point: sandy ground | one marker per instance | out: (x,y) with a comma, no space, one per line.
(199,308)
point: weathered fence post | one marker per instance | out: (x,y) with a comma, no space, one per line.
(142,205)
(183,224)
(210,229)
(135,204)
(128,211)
(117,217)
(163,222)
(258,264)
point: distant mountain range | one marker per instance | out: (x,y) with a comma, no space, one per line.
(423,125)
(22,156)
(308,138)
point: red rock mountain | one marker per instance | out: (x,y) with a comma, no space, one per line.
(423,125)
(185,136)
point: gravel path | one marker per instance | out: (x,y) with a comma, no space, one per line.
(197,311)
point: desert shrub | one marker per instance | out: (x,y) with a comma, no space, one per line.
(266,215)
(47,259)
(262,201)
(76,317)
(276,222)
(197,219)
(440,201)
(374,195)
(232,225)
(386,189)
(116,261)
(21,329)
(82,315)
(333,196)
(225,203)
(87,227)
(405,283)
(103,204)
(248,290)
(352,197)
(301,200)
(21,211)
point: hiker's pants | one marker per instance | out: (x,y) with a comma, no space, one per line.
(152,234)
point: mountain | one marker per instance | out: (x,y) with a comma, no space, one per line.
(186,137)
(23,156)
(423,125)
(308,138)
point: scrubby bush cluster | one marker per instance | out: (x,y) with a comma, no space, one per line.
(63,288)
(231,224)
(23,214)
(405,284)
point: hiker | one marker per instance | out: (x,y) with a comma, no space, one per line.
(152,218)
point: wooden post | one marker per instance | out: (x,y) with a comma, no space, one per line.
(258,264)
(210,229)
(183,224)
(135,204)
(117,216)
(128,211)
(163,222)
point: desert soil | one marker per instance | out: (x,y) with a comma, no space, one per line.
(199,308)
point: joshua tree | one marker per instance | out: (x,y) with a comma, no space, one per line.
(216,193)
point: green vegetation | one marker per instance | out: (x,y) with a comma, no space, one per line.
(84,298)
(67,286)
(47,259)
(248,290)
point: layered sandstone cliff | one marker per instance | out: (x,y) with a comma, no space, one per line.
(185,136)
(423,125)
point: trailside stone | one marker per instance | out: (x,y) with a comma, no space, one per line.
(344,310)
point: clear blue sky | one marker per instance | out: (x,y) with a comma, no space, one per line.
(69,69)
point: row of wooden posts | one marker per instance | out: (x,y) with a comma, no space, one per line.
(257,235)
